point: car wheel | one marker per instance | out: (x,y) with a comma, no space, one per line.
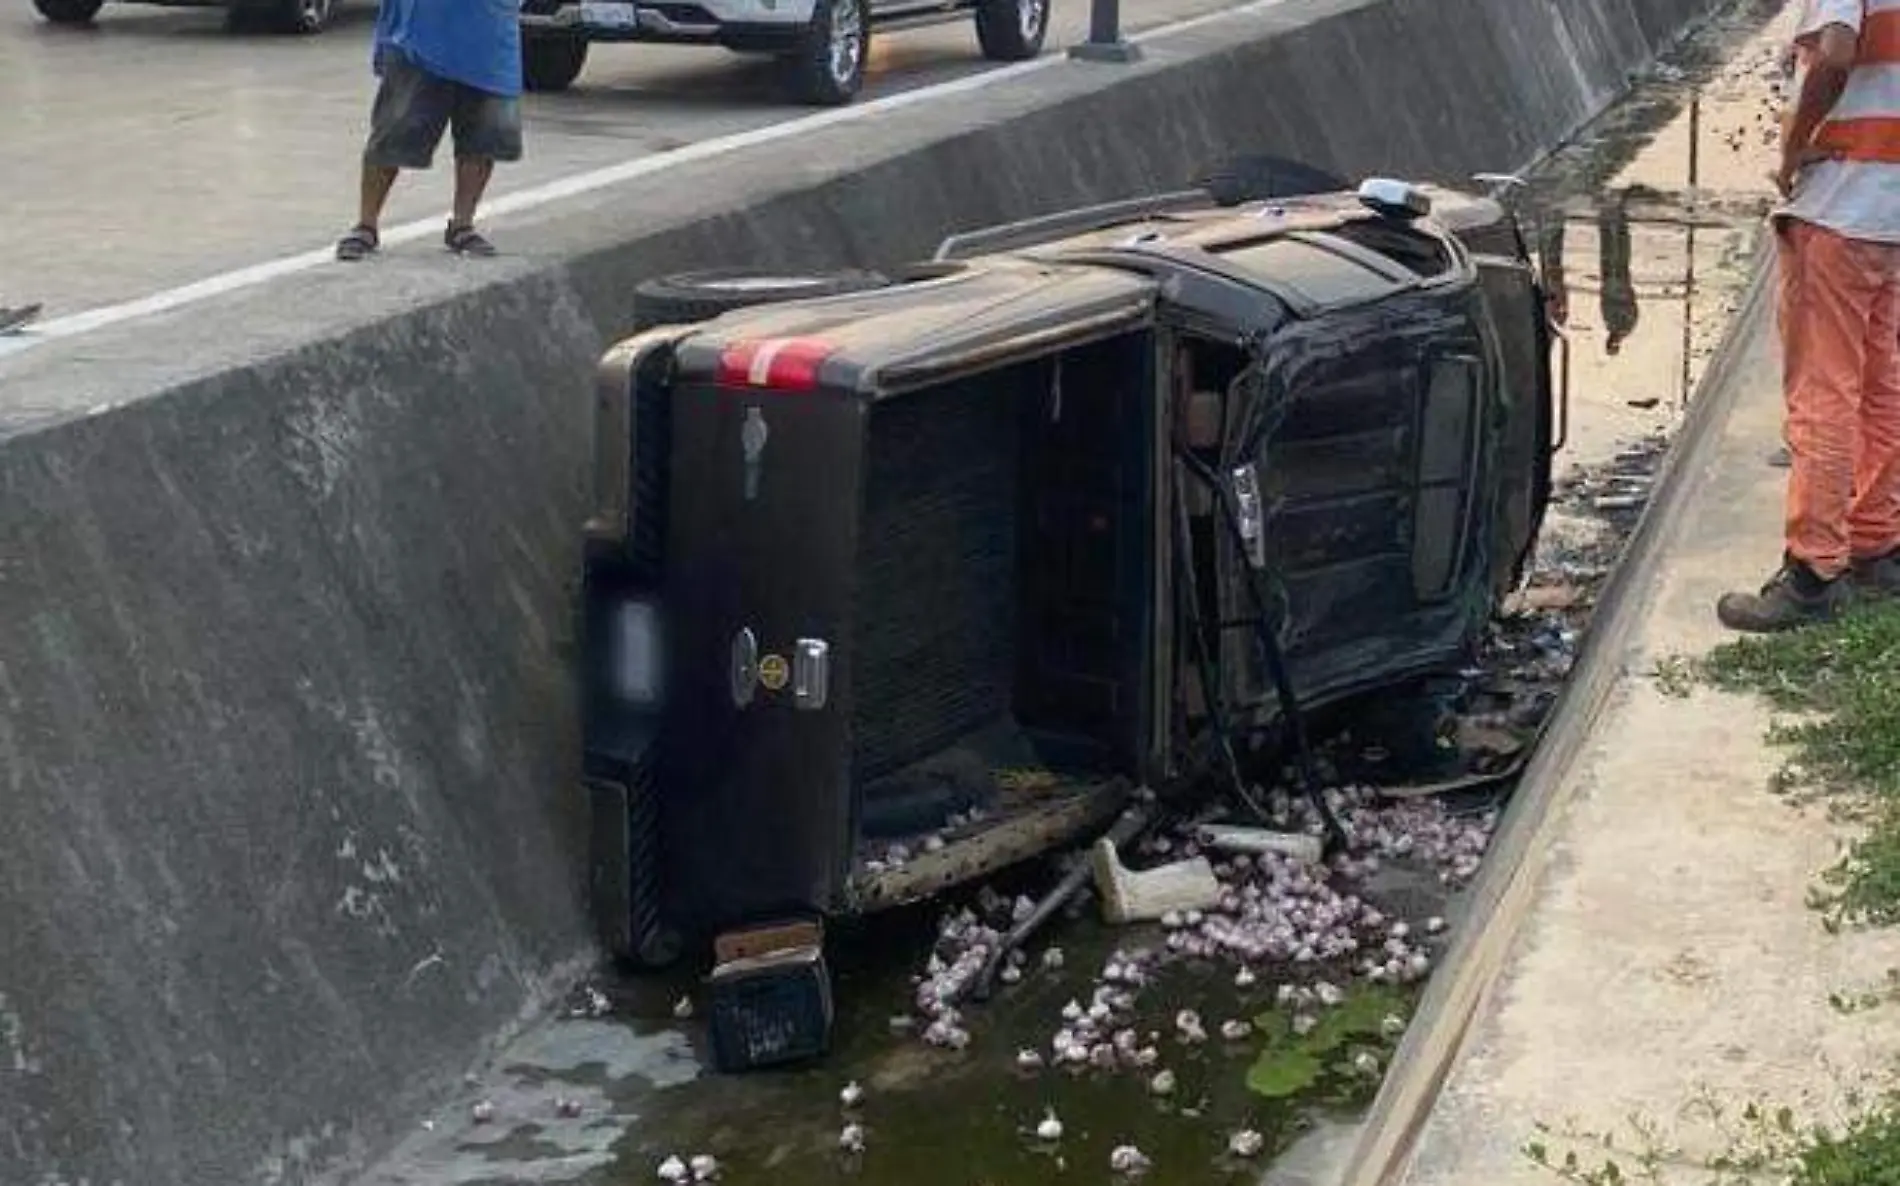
(301,17)
(1011,30)
(701,296)
(828,70)
(551,63)
(69,12)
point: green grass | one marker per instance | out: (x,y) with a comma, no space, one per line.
(1754,1145)
(1839,685)
(1866,1153)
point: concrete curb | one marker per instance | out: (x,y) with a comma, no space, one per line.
(1502,895)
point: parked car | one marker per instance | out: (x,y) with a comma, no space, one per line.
(290,16)
(895,583)
(821,45)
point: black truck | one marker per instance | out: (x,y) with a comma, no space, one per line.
(895,582)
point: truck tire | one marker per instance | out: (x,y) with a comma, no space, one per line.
(1011,30)
(302,17)
(297,18)
(828,69)
(69,12)
(551,62)
(693,297)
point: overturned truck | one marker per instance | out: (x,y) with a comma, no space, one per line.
(895,582)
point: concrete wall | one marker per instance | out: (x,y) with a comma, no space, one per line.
(289,827)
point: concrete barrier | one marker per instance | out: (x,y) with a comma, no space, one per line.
(290,827)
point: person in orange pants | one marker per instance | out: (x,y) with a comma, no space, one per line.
(1838,240)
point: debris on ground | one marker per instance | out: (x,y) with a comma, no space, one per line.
(1050,1129)
(1128,896)
(588,1002)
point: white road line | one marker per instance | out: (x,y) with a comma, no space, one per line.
(562,188)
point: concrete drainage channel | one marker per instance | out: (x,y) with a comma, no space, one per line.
(387,851)
(1180,1051)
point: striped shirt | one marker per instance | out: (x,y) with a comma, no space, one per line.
(1858,194)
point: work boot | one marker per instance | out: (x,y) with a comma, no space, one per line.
(1795,596)
(1878,576)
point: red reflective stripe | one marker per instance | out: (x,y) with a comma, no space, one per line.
(776,364)
(735,364)
(1873,139)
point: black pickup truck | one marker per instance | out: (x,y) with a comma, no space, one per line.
(896,582)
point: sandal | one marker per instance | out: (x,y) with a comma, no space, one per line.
(360,243)
(466,240)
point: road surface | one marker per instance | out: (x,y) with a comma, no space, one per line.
(157,149)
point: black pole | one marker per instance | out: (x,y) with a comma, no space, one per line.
(1105,42)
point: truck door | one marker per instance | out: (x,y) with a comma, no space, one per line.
(1366,466)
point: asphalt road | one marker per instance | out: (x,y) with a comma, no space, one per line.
(158,149)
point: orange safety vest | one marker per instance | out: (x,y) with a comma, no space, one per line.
(1865,122)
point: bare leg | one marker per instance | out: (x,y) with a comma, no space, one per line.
(378,180)
(471,180)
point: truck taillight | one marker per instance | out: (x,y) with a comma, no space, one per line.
(777,364)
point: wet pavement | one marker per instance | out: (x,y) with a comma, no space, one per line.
(1657,210)
(158,149)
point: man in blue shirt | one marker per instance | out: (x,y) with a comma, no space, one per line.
(444,64)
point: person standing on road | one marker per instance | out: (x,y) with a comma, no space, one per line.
(1838,245)
(445,65)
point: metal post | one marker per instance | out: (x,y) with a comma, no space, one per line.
(1105,42)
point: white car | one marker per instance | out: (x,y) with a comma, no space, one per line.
(289,16)
(821,44)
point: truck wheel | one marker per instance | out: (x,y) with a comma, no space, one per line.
(551,62)
(1011,30)
(303,17)
(69,12)
(295,17)
(828,70)
(693,297)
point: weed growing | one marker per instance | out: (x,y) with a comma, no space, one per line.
(1839,686)
(1754,1145)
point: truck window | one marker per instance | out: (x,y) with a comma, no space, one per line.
(1447,442)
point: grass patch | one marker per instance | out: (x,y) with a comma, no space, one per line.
(1840,686)
(1755,1145)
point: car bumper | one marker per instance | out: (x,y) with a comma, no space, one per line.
(706,20)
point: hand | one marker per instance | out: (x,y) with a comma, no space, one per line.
(1792,164)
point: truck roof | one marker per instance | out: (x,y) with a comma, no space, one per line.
(1310,254)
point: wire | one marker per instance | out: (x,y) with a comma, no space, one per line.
(1290,712)
(1188,590)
